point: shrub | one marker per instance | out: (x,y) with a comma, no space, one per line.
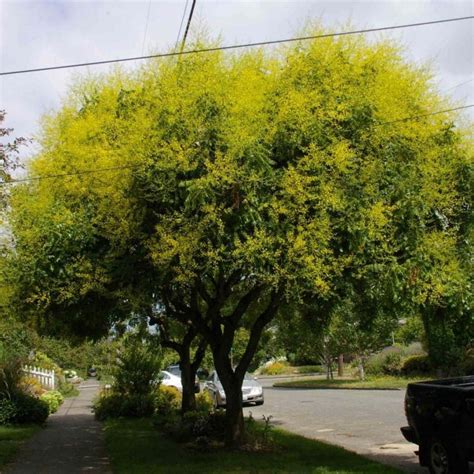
(53,399)
(10,374)
(167,400)
(29,409)
(416,365)
(309,369)
(391,360)
(196,425)
(31,386)
(116,405)
(204,402)
(138,367)
(275,368)
(7,411)
(109,406)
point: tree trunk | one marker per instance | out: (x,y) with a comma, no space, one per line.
(234,416)
(188,377)
(232,385)
(340,365)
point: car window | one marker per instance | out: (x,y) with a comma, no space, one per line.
(175,371)
(165,376)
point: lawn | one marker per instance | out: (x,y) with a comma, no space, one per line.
(11,438)
(136,447)
(371,383)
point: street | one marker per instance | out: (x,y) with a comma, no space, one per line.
(365,421)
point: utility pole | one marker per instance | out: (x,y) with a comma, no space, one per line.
(187,26)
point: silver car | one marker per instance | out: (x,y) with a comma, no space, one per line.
(252,391)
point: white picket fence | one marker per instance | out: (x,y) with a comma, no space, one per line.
(45,377)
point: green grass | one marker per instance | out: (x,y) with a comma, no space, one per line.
(11,438)
(371,383)
(136,447)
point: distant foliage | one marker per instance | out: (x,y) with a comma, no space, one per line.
(391,361)
(275,368)
(417,365)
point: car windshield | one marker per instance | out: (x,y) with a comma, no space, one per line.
(174,370)
(248,376)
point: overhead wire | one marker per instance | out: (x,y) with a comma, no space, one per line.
(115,168)
(235,46)
(459,85)
(181,25)
(146,26)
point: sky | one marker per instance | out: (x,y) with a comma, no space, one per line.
(49,33)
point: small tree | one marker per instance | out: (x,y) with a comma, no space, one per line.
(138,366)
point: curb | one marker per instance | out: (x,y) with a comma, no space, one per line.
(290,376)
(379,389)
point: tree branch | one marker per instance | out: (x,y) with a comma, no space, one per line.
(256,333)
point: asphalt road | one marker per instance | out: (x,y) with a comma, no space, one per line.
(364,421)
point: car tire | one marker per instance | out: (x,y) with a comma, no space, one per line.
(443,458)
(259,403)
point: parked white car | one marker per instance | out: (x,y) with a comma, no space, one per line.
(171,380)
(252,391)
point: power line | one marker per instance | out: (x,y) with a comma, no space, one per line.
(414,117)
(459,85)
(235,46)
(64,175)
(114,168)
(146,26)
(188,25)
(181,25)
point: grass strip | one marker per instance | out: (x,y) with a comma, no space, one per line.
(136,447)
(11,438)
(371,383)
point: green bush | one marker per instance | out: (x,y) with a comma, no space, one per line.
(10,373)
(167,400)
(53,399)
(310,369)
(29,409)
(416,365)
(195,425)
(204,402)
(138,368)
(129,406)
(7,411)
(376,364)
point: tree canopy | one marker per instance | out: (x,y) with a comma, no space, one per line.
(319,170)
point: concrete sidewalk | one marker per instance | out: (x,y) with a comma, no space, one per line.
(72,442)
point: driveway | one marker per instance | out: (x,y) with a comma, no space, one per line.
(365,421)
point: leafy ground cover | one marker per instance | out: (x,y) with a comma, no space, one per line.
(371,383)
(136,446)
(11,437)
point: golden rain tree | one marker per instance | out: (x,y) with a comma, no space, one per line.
(242,182)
